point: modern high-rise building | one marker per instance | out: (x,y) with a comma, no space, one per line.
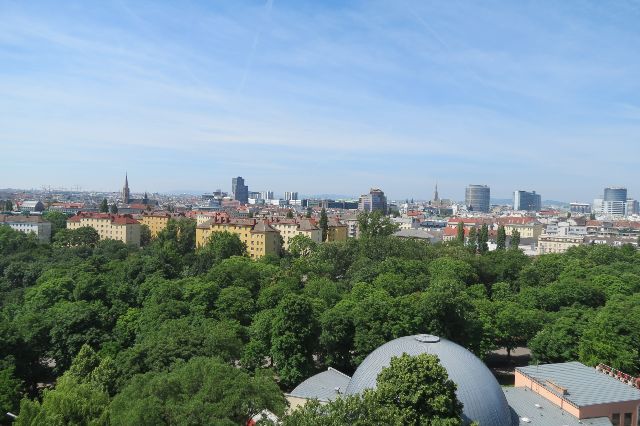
(478,198)
(375,200)
(614,202)
(290,195)
(239,190)
(527,201)
(267,195)
(615,194)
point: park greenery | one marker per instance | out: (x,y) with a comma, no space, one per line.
(96,332)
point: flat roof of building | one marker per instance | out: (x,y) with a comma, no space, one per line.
(526,404)
(585,386)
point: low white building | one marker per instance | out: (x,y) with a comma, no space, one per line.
(558,243)
(405,222)
(29,224)
(32,206)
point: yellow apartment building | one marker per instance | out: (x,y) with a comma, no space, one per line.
(337,231)
(109,226)
(260,237)
(528,230)
(289,228)
(156,222)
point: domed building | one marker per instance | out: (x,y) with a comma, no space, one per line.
(570,393)
(477,389)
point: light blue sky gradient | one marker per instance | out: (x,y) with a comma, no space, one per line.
(322,97)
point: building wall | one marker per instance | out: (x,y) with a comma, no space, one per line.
(42,230)
(156,224)
(556,244)
(523,381)
(128,234)
(337,233)
(258,244)
(526,231)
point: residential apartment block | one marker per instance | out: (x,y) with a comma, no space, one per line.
(260,238)
(289,228)
(29,224)
(337,231)
(109,226)
(558,243)
(158,221)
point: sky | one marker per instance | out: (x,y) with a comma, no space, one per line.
(322,96)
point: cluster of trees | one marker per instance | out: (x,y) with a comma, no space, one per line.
(95,331)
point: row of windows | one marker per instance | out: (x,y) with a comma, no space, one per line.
(615,419)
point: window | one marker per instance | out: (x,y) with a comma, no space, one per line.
(627,419)
(615,419)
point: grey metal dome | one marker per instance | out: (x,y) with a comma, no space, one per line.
(478,389)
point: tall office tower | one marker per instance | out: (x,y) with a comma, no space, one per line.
(615,194)
(478,198)
(614,202)
(528,201)
(267,195)
(240,190)
(126,196)
(375,200)
(290,195)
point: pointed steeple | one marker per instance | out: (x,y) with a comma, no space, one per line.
(436,197)
(125,189)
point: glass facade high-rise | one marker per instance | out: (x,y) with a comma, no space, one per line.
(375,200)
(527,201)
(290,195)
(478,198)
(240,190)
(614,202)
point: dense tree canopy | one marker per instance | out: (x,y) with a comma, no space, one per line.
(111,327)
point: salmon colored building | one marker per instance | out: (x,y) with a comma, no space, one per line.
(592,395)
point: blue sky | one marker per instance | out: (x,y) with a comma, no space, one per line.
(322,96)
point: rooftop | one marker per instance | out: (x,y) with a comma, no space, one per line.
(526,404)
(118,219)
(20,219)
(585,386)
(325,386)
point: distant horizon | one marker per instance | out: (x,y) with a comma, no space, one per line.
(322,96)
(494,200)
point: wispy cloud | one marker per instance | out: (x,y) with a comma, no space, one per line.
(404,92)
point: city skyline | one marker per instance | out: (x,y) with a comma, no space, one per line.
(283,193)
(336,97)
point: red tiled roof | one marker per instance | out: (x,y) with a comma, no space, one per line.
(118,219)
(512,220)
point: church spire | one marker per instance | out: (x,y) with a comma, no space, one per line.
(436,197)
(125,189)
